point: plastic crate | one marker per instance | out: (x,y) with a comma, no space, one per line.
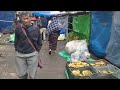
(66,74)
(114,75)
(109,76)
(72,76)
(93,62)
(76,68)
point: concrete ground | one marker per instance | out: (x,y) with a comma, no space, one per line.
(54,65)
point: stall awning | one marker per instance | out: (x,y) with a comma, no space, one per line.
(45,13)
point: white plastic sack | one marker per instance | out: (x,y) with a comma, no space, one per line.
(78,55)
(71,46)
(78,50)
(83,45)
(84,56)
(75,56)
(75,45)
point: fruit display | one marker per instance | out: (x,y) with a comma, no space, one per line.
(99,63)
(99,69)
(76,72)
(78,64)
(86,72)
(105,71)
(82,73)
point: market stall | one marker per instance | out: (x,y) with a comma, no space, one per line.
(101,25)
(80,64)
(78,53)
(62,18)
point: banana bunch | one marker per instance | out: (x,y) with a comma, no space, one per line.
(86,72)
(78,64)
(105,71)
(83,73)
(99,63)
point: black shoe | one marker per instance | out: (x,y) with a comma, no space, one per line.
(1,55)
(49,52)
(24,77)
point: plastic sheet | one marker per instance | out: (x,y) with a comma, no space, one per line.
(101,22)
(6,19)
(65,55)
(81,25)
(113,48)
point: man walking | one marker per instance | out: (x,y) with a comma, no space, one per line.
(26,55)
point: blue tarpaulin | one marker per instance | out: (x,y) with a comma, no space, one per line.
(101,22)
(41,13)
(6,19)
(62,31)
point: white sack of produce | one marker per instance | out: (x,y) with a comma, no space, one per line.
(75,56)
(71,46)
(80,55)
(84,56)
(75,45)
(82,45)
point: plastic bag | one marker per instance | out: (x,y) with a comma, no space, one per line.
(75,56)
(75,45)
(80,50)
(71,46)
(85,55)
(80,55)
(82,45)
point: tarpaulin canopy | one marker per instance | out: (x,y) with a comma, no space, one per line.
(6,19)
(101,22)
(45,13)
(41,13)
(81,25)
(113,48)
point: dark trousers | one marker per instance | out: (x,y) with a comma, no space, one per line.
(53,37)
